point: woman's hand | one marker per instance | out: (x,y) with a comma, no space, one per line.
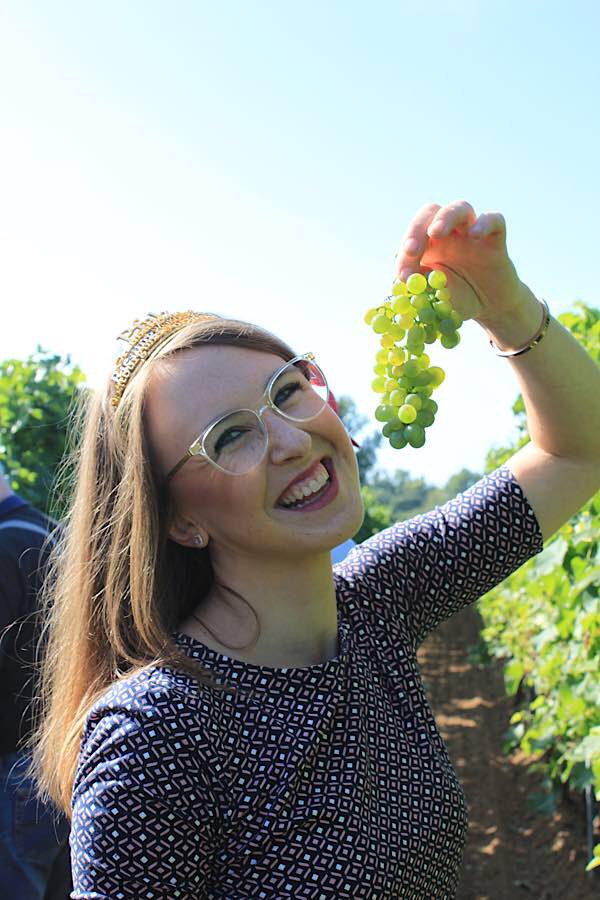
(482,280)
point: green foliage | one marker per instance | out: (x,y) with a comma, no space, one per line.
(35,398)
(545,621)
(377,516)
(366,456)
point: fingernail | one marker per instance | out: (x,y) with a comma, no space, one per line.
(411,246)
(405,274)
(476,229)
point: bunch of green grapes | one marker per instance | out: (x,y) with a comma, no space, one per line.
(418,312)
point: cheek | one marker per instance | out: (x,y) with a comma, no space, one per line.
(217,498)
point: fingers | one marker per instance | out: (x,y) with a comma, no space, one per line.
(487,224)
(432,220)
(413,243)
(450,218)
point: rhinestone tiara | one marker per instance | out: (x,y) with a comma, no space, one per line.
(144,337)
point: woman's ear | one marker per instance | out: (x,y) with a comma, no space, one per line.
(187,533)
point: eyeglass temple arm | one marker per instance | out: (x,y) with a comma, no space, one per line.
(181,462)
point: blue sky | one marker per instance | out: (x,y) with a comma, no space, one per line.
(263,160)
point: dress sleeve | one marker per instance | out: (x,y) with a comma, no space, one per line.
(143,821)
(423,570)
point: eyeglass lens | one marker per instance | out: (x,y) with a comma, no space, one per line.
(238,442)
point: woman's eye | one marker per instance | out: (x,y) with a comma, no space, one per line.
(223,440)
(287,392)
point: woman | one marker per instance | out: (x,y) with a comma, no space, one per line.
(224,714)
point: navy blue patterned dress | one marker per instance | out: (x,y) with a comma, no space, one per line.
(328,781)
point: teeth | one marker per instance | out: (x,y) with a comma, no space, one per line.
(300,491)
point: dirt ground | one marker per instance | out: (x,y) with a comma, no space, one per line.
(512,852)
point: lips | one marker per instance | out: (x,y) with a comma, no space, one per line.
(306,474)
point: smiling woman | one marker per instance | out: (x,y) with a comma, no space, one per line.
(214,480)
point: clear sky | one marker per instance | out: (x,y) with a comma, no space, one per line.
(263,159)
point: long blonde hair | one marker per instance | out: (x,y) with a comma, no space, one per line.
(117,586)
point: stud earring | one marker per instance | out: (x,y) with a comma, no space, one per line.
(198,539)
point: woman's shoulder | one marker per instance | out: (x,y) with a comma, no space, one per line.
(151,702)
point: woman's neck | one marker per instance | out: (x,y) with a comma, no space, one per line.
(297,613)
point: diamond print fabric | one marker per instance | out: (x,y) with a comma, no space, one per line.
(330,781)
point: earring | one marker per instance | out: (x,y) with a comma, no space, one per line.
(198,539)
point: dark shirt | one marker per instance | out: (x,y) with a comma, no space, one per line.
(23,531)
(324,782)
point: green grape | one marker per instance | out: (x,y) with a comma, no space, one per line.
(407,413)
(380,324)
(431,334)
(436,279)
(401,305)
(406,321)
(456,319)
(431,405)
(382,356)
(422,379)
(397,371)
(443,309)
(378,385)
(385,399)
(423,361)
(419,301)
(425,418)
(415,434)
(414,400)
(398,397)
(397,440)
(416,283)
(380,369)
(446,326)
(396,331)
(387,341)
(411,367)
(391,384)
(416,335)
(442,294)
(370,315)
(383,413)
(424,391)
(406,382)
(389,372)
(416,349)
(437,374)
(427,316)
(397,356)
(450,340)
(399,288)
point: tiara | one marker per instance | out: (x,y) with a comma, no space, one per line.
(144,337)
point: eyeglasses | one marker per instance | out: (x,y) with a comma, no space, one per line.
(238,441)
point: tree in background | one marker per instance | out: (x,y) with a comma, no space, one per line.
(36,397)
(366,457)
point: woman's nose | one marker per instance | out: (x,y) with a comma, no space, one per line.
(285,436)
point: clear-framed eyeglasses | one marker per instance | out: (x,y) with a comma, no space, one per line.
(237,442)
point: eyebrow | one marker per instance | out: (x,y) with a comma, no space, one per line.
(235,408)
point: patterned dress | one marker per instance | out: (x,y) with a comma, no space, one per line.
(327,781)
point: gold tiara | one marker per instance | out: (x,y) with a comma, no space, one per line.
(143,338)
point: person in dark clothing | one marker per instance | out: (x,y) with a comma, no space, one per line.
(34,849)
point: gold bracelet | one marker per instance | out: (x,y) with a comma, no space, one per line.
(535,340)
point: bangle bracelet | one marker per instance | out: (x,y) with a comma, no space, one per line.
(535,340)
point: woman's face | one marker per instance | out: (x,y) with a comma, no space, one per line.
(240,513)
